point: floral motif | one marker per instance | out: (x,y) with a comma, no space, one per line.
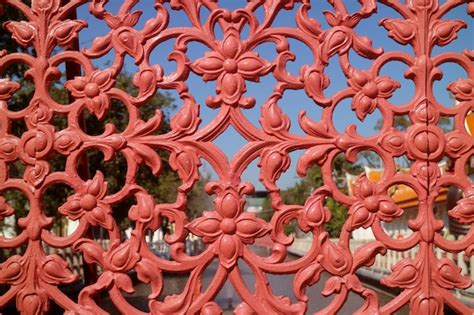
(403,31)
(23,32)
(232,62)
(7,88)
(66,31)
(463,89)
(228,228)
(314,212)
(89,203)
(93,89)
(230,65)
(229,233)
(369,90)
(406,274)
(449,276)
(8,147)
(464,210)
(371,204)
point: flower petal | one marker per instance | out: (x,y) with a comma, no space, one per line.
(231,45)
(363,105)
(210,66)
(249,227)
(56,271)
(386,86)
(229,249)
(207,226)
(103,78)
(251,66)
(388,210)
(231,86)
(100,215)
(405,274)
(449,275)
(7,88)
(72,208)
(360,217)
(97,186)
(464,210)
(98,105)
(76,86)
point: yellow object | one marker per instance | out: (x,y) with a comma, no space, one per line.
(470,123)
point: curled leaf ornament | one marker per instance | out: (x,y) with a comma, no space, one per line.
(7,88)
(23,32)
(406,274)
(464,209)
(449,275)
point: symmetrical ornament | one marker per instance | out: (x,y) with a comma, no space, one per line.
(232,61)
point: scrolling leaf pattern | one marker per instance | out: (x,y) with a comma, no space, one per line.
(232,62)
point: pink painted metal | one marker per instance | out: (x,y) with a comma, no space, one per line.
(426,281)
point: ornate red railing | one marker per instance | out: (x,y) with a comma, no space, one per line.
(426,281)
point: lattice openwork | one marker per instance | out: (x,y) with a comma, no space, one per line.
(33,277)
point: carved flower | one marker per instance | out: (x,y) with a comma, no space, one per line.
(93,90)
(228,228)
(12,271)
(403,31)
(424,304)
(334,258)
(230,65)
(45,6)
(32,302)
(314,212)
(66,141)
(144,210)
(7,88)
(448,275)
(89,203)
(464,210)
(23,32)
(56,271)
(405,274)
(36,173)
(457,143)
(463,89)
(442,32)
(369,90)
(122,257)
(228,233)
(64,32)
(370,205)
(8,146)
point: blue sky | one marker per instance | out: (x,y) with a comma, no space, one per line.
(293,101)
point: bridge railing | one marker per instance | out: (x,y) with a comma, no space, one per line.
(384,263)
(159,247)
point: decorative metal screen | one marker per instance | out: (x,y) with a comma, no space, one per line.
(33,279)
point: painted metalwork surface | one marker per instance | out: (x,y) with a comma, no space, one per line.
(426,282)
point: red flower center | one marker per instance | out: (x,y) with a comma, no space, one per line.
(91,90)
(88,202)
(230,66)
(228,226)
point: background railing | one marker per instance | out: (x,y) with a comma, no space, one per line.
(159,247)
(383,263)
